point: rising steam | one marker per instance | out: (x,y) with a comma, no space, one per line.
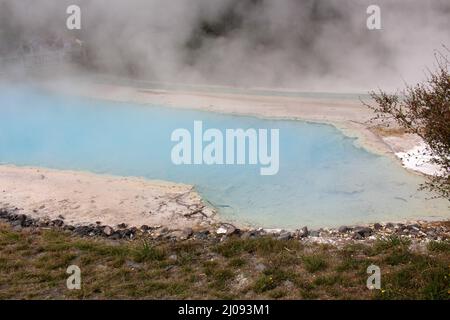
(303,44)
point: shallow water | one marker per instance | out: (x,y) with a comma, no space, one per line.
(324,179)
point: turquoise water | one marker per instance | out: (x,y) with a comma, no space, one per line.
(323,180)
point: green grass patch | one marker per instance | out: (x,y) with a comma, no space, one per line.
(439,246)
(261,246)
(315,262)
(33,266)
(147,252)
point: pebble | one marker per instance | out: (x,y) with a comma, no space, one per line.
(173,257)
(421,231)
(108,231)
(221,230)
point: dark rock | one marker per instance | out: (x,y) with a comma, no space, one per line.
(58,223)
(431,234)
(43,224)
(377,226)
(18,220)
(16,223)
(163,230)
(128,233)
(249,234)
(20,217)
(115,236)
(201,235)
(122,226)
(4,213)
(314,233)
(344,229)
(28,222)
(413,226)
(145,228)
(284,235)
(363,231)
(83,230)
(389,225)
(303,233)
(357,236)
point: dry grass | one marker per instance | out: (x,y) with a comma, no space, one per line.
(33,265)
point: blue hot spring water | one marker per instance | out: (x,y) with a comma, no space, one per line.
(324,179)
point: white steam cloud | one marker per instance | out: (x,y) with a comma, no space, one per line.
(303,44)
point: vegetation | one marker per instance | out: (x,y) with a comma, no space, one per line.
(424,110)
(33,265)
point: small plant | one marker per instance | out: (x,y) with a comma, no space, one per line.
(264,283)
(392,241)
(399,256)
(439,246)
(314,263)
(424,110)
(237,262)
(220,277)
(261,246)
(146,252)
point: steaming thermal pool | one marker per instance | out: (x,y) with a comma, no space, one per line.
(323,178)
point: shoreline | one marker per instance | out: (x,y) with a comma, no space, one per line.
(90,202)
(83,198)
(419,231)
(348,116)
(350,120)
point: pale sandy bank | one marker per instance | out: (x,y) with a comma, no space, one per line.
(85,198)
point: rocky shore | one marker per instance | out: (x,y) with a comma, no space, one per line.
(420,231)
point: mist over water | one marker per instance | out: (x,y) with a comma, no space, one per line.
(315,45)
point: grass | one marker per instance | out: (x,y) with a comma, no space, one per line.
(33,265)
(315,263)
(146,252)
(263,245)
(439,246)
